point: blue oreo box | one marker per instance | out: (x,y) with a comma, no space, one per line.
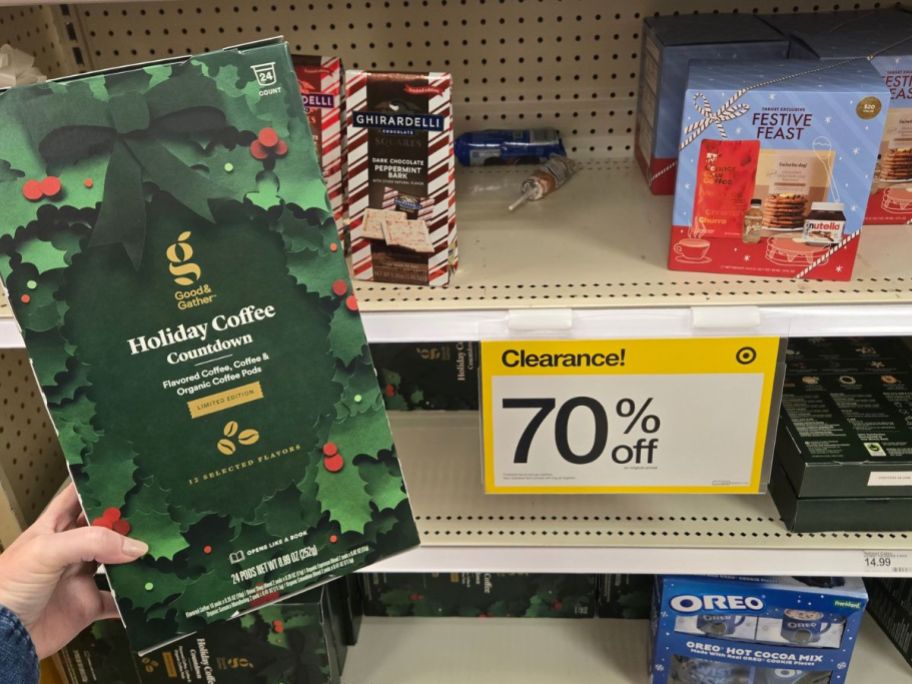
(669,45)
(754,630)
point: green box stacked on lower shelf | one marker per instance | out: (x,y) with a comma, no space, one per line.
(627,597)
(844,446)
(440,376)
(303,640)
(465,594)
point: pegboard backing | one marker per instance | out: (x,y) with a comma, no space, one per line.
(31,463)
(571,64)
(47,32)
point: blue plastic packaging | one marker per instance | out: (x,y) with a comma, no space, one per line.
(529,146)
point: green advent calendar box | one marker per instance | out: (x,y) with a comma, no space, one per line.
(627,597)
(470,594)
(172,260)
(440,376)
(288,642)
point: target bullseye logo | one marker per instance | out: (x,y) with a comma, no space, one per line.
(746,355)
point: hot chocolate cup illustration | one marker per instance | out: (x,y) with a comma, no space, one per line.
(691,249)
(804,626)
(719,625)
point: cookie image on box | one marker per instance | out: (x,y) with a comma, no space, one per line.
(896,165)
(785,211)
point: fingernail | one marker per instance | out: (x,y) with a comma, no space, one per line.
(134,547)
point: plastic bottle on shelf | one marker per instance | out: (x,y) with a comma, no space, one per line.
(545,179)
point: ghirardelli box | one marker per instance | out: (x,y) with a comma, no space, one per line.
(320,80)
(173,263)
(401,176)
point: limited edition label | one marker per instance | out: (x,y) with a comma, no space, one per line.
(634,416)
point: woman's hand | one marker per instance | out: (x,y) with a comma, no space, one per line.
(47,575)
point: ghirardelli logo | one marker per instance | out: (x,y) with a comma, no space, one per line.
(179,254)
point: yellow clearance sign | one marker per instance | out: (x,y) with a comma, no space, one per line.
(627,416)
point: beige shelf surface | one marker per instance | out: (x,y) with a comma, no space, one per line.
(543,651)
(462,528)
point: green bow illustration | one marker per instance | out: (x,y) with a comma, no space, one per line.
(74,125)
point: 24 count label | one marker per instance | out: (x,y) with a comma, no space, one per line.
(627,416)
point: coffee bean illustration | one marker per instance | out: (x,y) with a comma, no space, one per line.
(231,427)
(226,446)
(249,436)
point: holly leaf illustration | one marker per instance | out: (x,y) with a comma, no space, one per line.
(265,196)
(49,354)
(147,512)
(364,433)
(288,512)
(307,230)
(69,384)
(384,485)
(360,391)
(146,584)
(109,468)
(43,255)
(344,496)
(346,336)
(74,427)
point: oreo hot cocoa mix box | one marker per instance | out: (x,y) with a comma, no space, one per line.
(320,80)
(401,177)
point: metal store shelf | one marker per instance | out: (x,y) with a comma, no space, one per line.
(464,529)
(590,261)
(543,651)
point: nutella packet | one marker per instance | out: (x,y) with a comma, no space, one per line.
(725,185)
(320,81)
(401,177)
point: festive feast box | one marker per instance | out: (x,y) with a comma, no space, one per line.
(401,176)
(320,80)
(173,263)
(775,164)
(757,630)
(890,52)
(669,45)
(293,641)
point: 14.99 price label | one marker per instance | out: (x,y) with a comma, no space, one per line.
(635,416)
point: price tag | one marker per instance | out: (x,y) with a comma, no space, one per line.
(627,416)
(887,562)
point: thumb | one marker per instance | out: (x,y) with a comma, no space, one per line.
(86,545)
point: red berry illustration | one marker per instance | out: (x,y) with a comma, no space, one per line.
(122,527)
(207,549)
(25,299)
(334,463)
(330,449)
(340,287)
(111,514)
(32,191)
(102,522)
(333,247)
(416,597)
(389,391)
(333,538)
(557,605)
(89,183)
(278,626)
(268,137)
(351,302)
(281,148)
(50,186)
(257,151)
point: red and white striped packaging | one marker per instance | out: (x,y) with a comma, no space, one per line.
(320,80)
(400,160)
